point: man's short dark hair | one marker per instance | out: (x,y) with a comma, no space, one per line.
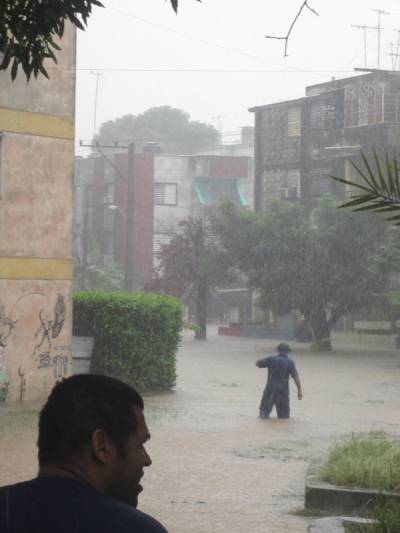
(283,347)
(79,405)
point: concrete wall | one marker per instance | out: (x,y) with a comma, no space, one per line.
(36,169)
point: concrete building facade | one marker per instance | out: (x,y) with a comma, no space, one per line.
(36,170)
(299,143)
(167,189)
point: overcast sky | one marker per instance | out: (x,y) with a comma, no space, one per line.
(146,56)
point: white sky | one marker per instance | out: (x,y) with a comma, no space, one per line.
(219,35)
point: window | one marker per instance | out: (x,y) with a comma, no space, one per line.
(294,122)
(282,183)
(160,240)
(392,107)
(363,105)
(323,114)
(165,193)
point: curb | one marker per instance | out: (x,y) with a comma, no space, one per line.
(337,499)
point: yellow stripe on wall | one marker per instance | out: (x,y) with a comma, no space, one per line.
(31,268)
(36,124)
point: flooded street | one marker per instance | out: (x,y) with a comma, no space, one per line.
(216,466)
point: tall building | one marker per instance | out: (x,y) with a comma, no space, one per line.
(299,143)
(36,171)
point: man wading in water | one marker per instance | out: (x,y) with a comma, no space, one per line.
(276,392)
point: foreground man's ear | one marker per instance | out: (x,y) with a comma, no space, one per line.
(101,446)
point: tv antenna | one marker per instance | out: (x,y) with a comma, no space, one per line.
(379,29)
(364,28)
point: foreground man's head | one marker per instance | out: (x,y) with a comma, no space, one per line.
(92,428)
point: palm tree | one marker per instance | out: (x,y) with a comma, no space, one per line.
(379,190)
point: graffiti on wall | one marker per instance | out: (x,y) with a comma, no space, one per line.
(7,326)
(49,328)
(3,377)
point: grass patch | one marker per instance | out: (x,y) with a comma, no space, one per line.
(369,460)
(387,518)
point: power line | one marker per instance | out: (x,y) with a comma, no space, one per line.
(188,36)
(208,70)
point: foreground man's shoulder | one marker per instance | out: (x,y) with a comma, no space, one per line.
(127,519)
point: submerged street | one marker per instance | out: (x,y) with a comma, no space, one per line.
(216,466)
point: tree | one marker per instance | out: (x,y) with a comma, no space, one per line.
(29,28)
(380,187)
(325,264)
(171,128)
(192,264)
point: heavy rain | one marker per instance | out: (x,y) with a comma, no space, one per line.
(199,266)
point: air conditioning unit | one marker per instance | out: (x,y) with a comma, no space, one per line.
(108,199)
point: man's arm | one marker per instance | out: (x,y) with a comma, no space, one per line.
(263,363)
(298,385)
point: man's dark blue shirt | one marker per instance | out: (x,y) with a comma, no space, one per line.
(63,505)
(280,367)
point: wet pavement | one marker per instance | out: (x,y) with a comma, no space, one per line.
(217,467)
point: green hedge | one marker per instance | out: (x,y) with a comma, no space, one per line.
(136,336)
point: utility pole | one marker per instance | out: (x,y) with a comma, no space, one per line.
(98,75)
(129,180)
(130,230)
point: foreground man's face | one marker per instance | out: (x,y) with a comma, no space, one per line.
(127,468)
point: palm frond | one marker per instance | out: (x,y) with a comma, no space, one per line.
(352,184)
(380,188)
(369,170)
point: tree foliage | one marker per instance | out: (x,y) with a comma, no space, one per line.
(379,185)
(326,264)
(171,128)
(191,265)
(29,30)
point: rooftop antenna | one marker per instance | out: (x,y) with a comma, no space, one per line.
(379,30)
(364,28)
(397,53)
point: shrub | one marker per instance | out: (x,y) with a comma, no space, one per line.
(136,336)
(364,461)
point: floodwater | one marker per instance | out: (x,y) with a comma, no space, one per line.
(217,467)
